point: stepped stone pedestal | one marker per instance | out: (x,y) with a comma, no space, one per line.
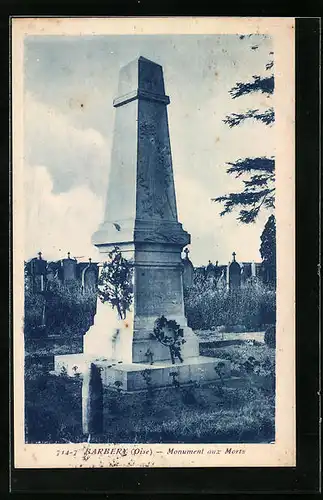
(141,219)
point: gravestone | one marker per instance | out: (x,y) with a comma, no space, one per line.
(258,270)
(89,277)
(68,269)
(141,219)
(217,271)
(188,271)
(210,270)
(222,279)
(246,271)
(234,274)
(52,271)
(38,274)
(38,270)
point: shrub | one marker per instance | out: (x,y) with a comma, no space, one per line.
(204,304)
(115,282)
(67,310)
(53,410)
(256,363)
(33,313)
(249,308)
(189,395)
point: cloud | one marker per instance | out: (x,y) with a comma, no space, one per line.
(58,223)
(73,156)
(69,128)
(214,237)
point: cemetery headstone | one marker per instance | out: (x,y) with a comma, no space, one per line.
(188,271)
(38,269)
(234,274)
(68,268)
(89,277)
(209,270)
(245,271)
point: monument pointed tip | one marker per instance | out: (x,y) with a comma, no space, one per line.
(142,58)
(141,79)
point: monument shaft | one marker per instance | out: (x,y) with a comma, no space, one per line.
(141,213)
(141,219)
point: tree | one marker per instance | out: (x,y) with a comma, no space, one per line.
(259,185)
(268,242)
(268,250)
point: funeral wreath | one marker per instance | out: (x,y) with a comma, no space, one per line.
(170,334)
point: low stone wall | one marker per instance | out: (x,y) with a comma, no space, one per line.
(216,339)
(53,345)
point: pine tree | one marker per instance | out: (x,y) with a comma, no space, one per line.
(268,250)
(259,172)
(268,241)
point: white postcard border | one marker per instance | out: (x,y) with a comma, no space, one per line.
(283,451)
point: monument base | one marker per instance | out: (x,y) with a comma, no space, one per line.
(130,340)
(131,377)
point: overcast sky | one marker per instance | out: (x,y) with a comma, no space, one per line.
(70,83)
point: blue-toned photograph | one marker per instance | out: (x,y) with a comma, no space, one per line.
(149,239)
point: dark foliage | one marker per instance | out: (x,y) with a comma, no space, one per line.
(52,407)
(265,85)
(259,190)
(207,306)
(62,309)
(115,282)
(250,165)
(259,187)
(255,200)
(270,336)
(69,309)
(34,313)
(268,242)
(267,117)
(177,415)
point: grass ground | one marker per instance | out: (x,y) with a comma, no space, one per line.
(200,414)
(239,354)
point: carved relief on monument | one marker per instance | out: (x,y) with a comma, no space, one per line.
(167,237)
(157,291)
(155,197)
(161,232)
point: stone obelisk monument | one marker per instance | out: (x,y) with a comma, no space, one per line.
(141,219)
